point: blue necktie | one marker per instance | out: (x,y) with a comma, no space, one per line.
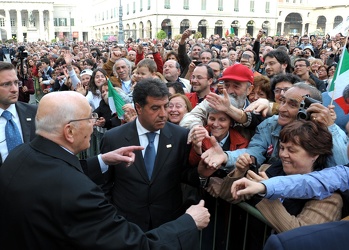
(149,155)
(13,137)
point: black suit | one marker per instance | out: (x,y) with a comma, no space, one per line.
(333,235)
(47,202)
(149,204)
(26,114)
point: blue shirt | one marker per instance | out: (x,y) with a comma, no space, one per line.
(317,184)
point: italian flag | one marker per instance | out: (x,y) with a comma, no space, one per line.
(340,81)
(115,101)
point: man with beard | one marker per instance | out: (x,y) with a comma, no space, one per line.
(201,81)
(276,62)
(238,83)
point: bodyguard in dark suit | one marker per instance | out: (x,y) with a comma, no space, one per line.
(22,114)
(47,202)
(152,197)
(333,235)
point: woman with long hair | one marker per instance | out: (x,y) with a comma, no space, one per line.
(26,85)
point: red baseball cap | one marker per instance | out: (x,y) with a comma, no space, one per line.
(239,73)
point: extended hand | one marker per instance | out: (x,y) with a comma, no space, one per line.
(124,154)
(200,214)
(218,102)
(214,156)
(245,188)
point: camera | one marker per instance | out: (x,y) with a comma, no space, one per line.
(196,62)
(144,44)
(193,32)
(22,54)
(94,54)
(264,32)
(302,112)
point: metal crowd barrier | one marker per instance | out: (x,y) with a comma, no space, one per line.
(237,234)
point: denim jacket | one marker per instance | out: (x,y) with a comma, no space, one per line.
(264,144)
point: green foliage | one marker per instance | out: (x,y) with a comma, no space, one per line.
(178,37)
(197,35)
(161,35)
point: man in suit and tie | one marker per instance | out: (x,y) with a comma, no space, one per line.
(17,118)
(47,202)
(148,192)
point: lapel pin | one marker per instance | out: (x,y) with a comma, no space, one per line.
(169,146)
(29,119)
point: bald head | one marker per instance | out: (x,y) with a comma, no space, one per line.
(55,110)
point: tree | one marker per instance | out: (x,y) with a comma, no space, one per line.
(161,35)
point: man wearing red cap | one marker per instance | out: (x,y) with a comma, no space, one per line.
(238,82)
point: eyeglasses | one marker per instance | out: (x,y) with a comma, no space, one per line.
(175,105)
(9,84)
(279,90)
(198,77)
(93,116)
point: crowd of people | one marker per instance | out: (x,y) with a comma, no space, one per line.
(198,115)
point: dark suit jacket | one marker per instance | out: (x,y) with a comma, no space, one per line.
(327,236)
(149,203)
(26,114)
(47,202)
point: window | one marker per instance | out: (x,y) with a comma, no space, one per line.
(128,9)
(267,7)
(186,4)
(134,7)
(236,5)
(102,16)
(72,22)
(220,5)
(13,23)
(115,12)
(203,4)
(252,6)
(24,23)
(62,21)
(55,21)
(2,22)
(140,5)
(167,4)
(149,4)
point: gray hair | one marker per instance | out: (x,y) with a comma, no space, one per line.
(128,63)
(313,91)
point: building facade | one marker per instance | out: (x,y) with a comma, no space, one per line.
(30,20)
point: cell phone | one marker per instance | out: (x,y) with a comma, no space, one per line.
(145,44)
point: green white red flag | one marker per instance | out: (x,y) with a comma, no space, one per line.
(340,81)
(115,101)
